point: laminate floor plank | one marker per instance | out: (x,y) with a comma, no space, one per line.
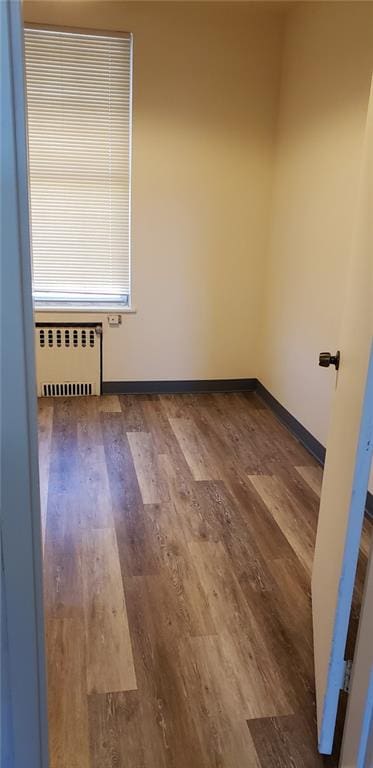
(242,645)
(276,441)
(216,705)
(179,538)
(292,597)
(62,565)
(45,439)
(184,595)
(67,694)
(285,741)
(235,525)
(284,509)
(308,504)
(240,434)
(189,510)
(268,539)
(138,550)
(63,468)
(366,537)
(93,476)
(167,709)
(192,445)
(261,525)
(63,588)
(132,412)
(164,438)
(110,665)
(181,406)
(110,404)
(256,519)
(256,438)
(280,620)
(312,475)
(153,489)
(117,737)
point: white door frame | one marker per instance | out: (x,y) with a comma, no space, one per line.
(357,746)
(22,607)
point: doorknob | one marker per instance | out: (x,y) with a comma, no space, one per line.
(326,359)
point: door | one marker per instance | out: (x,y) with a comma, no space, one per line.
(346,475)
(23,697)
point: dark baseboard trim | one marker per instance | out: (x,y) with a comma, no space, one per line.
(302,434)
(178,387)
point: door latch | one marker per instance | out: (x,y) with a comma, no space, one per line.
(346,683)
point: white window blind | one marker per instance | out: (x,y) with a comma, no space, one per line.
(79,130)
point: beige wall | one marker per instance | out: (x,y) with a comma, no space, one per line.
(327,67)
(206,81)
(219,293)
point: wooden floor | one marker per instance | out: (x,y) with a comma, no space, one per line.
(179,535)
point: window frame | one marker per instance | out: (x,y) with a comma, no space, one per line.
(88,304)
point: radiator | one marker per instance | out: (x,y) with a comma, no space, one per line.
(68,360)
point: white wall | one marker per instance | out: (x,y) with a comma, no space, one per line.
(327,68)
(206,82)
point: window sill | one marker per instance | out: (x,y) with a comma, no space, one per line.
(88,309)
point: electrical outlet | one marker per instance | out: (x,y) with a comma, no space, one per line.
(114,320)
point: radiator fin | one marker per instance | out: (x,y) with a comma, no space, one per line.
(68,389)
(67,337)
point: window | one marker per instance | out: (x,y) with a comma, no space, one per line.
(79,128)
